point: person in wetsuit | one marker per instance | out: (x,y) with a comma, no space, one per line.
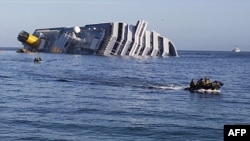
(192,85)
(207,83)
(200,83)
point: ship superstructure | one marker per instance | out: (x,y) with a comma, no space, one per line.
(115,38)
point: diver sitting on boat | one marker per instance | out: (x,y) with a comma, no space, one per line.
(192,84)
(207,83)
(199,84)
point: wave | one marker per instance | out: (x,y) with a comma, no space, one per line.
(2,76)
(63,80)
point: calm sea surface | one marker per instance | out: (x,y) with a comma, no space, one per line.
(89,97)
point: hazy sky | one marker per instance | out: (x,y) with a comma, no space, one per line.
(190,24)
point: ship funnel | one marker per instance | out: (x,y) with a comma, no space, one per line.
(29,39)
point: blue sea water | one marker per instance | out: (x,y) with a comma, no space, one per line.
(90,97)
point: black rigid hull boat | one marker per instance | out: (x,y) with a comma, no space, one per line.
(213,87)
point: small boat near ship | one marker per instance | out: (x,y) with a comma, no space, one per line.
(205,87)
(38,60)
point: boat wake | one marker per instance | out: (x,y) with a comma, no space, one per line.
(167,87)
(124,81)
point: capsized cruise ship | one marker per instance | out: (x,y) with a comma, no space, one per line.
(115,38)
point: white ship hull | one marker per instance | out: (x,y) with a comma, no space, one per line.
(116,38)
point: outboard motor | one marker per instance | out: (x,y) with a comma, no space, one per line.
(221,83)
(29,39)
